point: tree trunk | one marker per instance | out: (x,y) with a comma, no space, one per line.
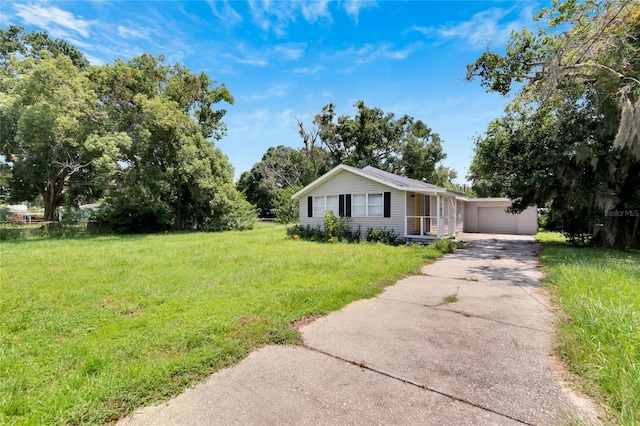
(619,232)
(605,235)
(179,223)
(51,197)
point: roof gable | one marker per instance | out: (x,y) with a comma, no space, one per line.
(385,178)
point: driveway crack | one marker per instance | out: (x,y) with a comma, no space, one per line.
(468,315)
(417,385)
(438,306)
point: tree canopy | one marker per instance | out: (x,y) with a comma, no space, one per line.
(51,133)
(139,133)
(281,167)
(404,146)
(570,139)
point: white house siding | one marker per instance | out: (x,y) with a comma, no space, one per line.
(528,221)
(489,216)
(460,216)
(345,182)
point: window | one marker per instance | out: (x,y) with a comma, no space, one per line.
(325,203)
(367,205)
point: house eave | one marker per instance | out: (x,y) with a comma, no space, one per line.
(342,167)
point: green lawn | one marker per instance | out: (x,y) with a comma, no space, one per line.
(599,337)
(93,327)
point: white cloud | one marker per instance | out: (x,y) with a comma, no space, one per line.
(125,32)
(260,116)
(255,62)
(225,13)
(398,54)
(307,70)
(93,60)
(275,16)
(291,51)
(484,28)
(428,31)
(248,56)
(272,16)
(353,7)
(52,19)
(371,52)
(254,125)
(276,90)
(246,123)
(315,9)
(78,43)
(285,118)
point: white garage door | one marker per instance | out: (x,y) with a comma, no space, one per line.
(494,220)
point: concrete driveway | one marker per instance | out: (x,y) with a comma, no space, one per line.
(468,342)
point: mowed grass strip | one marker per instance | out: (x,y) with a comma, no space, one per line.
(91,328)
(599,337)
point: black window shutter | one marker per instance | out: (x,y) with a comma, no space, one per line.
(347,208)
(309,206)
(341,205)
(387,204)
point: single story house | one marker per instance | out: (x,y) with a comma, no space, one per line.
(373,198)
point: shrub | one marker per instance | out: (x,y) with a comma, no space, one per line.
(444,245)
(129,215)
(72,215)
(384,236)
(287,210)
(5,214)
(336,228)
(233,213)
(310,233)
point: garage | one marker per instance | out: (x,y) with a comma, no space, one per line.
(494,220)
(488,216)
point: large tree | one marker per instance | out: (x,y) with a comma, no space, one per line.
(171,175)
(139,132)
(14,40)
(571,137)
(372,137)
(51,132)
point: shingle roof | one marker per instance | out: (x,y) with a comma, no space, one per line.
(398,180)
(385,178)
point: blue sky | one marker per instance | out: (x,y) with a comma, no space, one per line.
(282,60)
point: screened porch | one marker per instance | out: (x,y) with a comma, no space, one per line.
(430,215)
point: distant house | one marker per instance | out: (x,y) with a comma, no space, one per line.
(89,209)
(373,198)
(18,209)
(21,213)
